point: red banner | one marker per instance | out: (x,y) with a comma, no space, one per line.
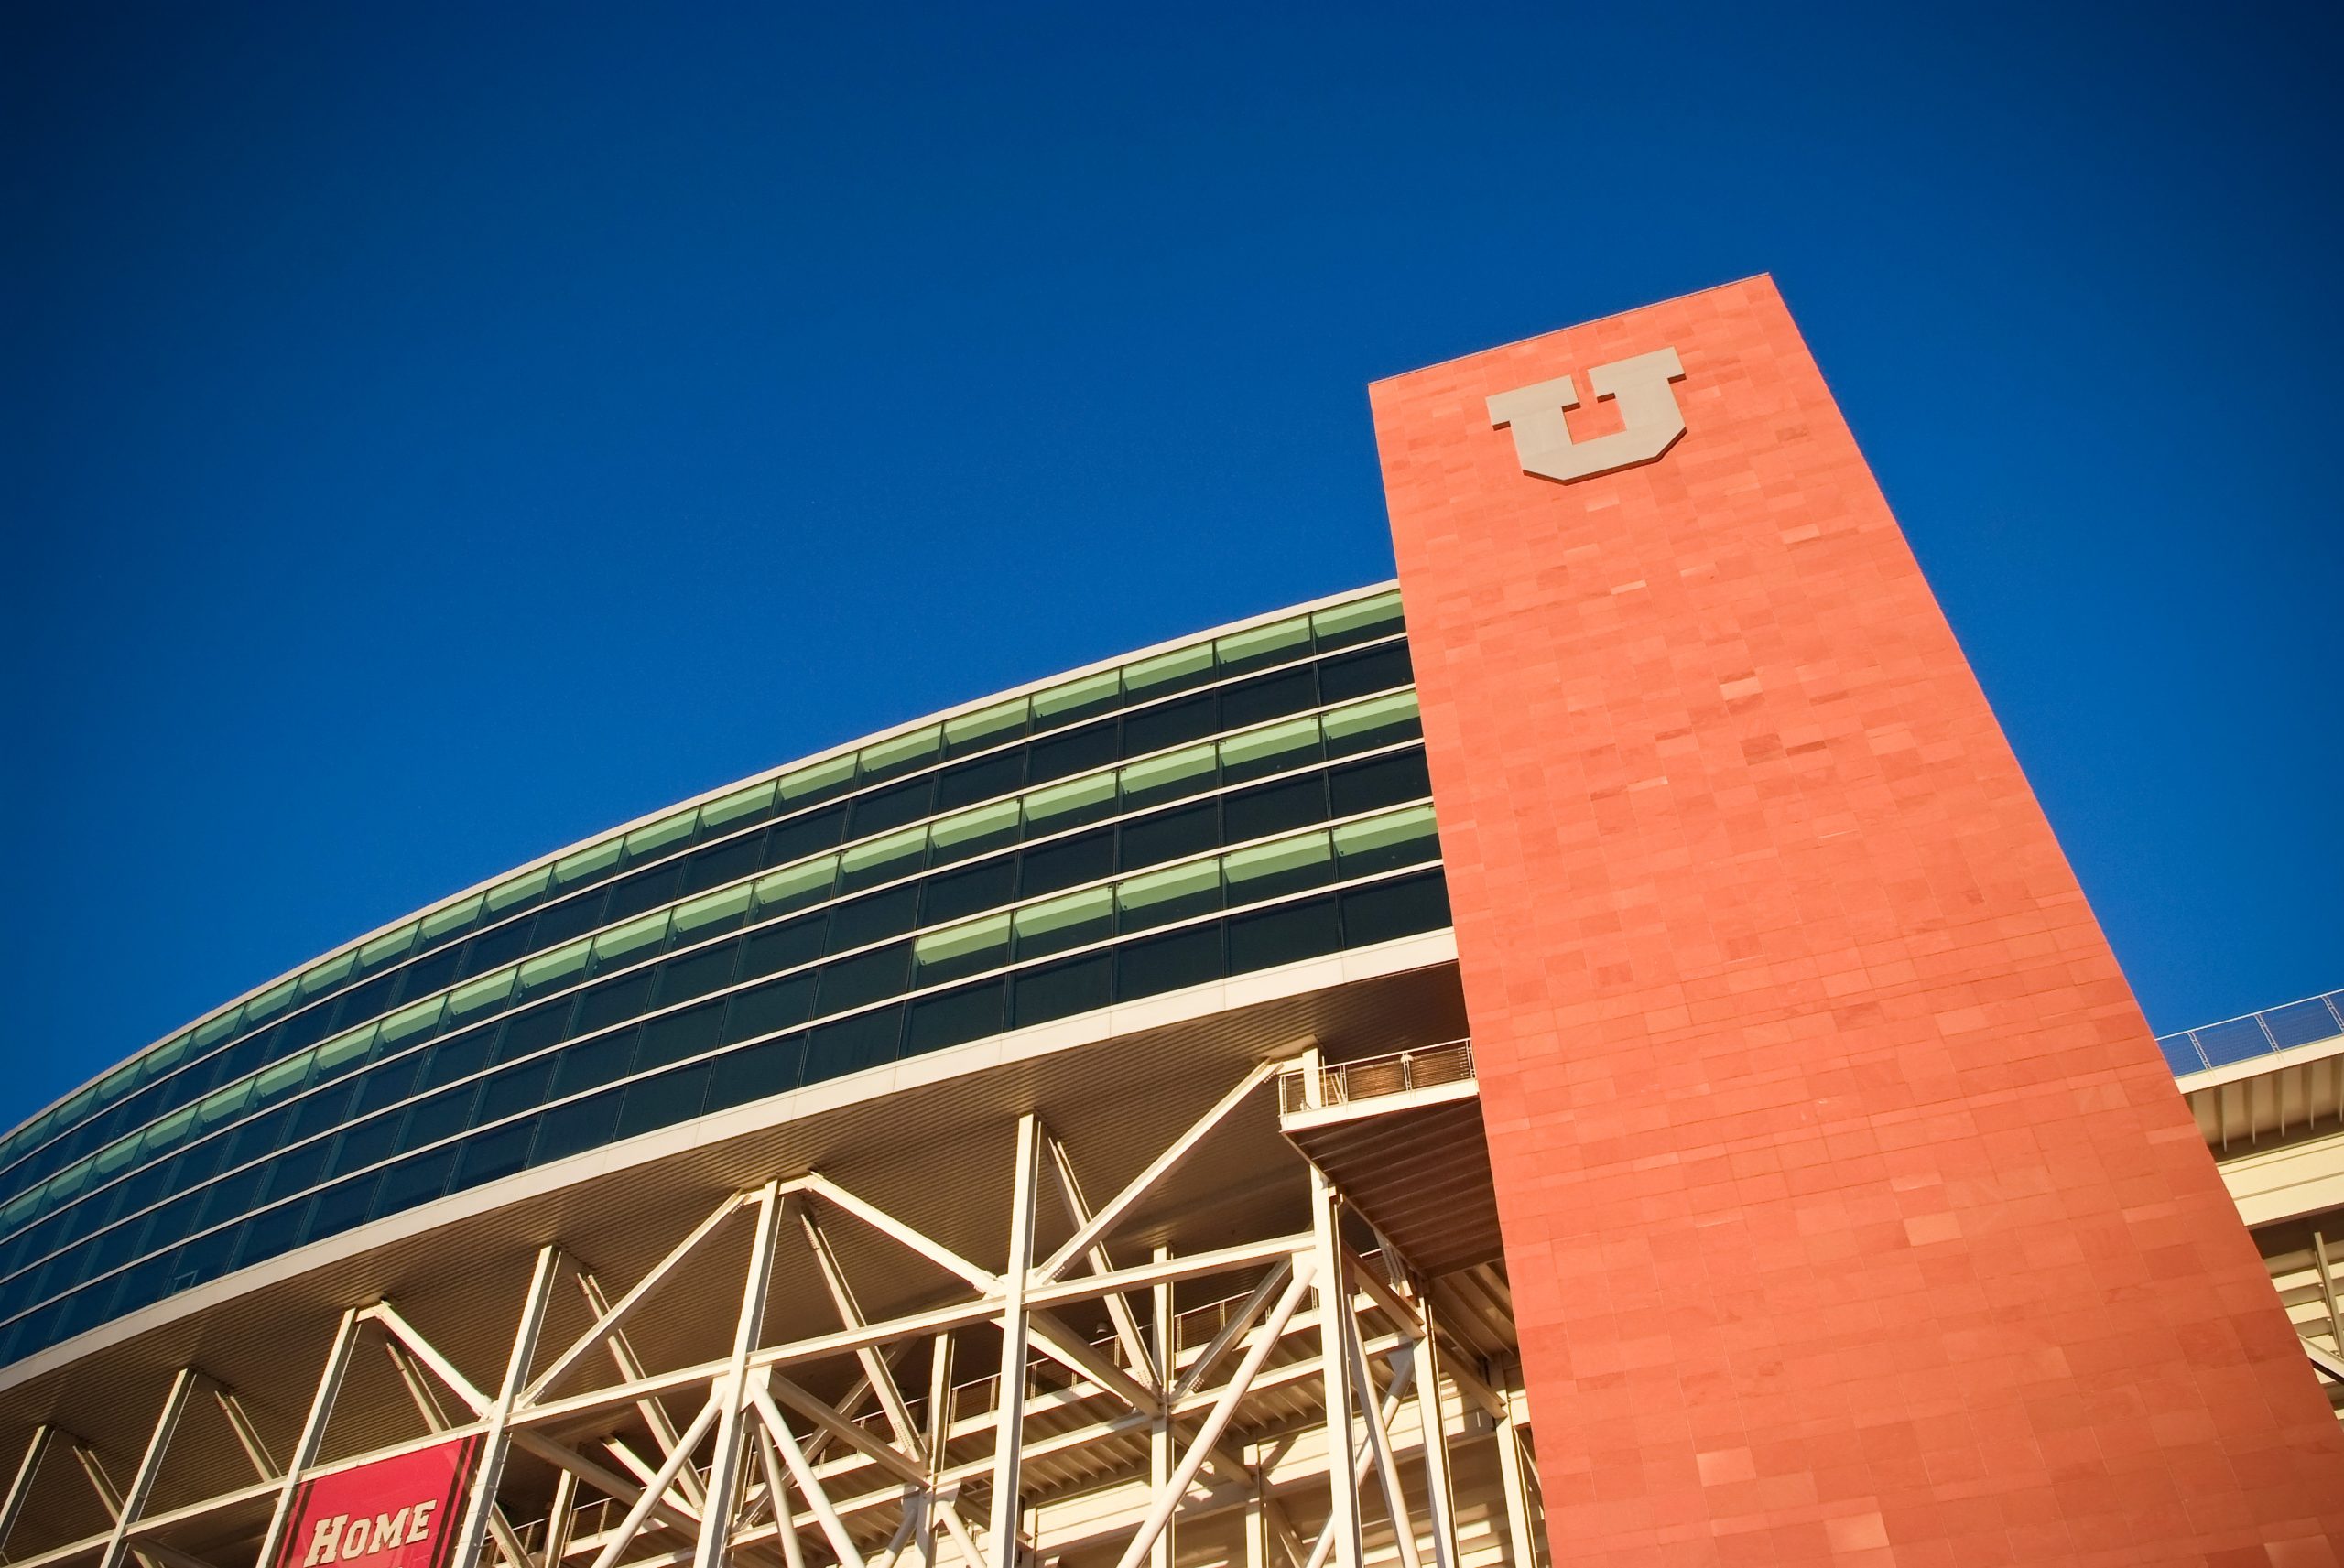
(401,1512)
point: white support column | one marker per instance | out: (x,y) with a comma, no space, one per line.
(1521,1545)
(1159,1432)
(817,1496)
(313,1433)
(499,1414)
(732,1391)
(1257,1513)
(1432,1423)
(1379,1439)
(1009,1436)
(240,1422)
(661,1479)
(36,1451)
(876,1371)
(1334,1308)
(558,1517)
(793,1551)
(150,1464)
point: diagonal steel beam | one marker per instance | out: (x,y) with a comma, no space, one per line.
(1118,1307)
(660,1481)
(588,1343)
(887,1225)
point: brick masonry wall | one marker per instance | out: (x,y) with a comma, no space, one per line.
(1851,1214)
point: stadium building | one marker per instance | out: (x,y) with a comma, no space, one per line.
(1609,1069)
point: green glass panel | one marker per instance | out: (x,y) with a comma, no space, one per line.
(455,917)
(792,887)
(389,945)
(270,1001)
(984,822)
(68,1182)
(1042,807)
(411,1021)
(505,895)
(1171,769)
(1295,736)
(585,864)
(864,859)
(1003,719)
(222,1104)
(1274,643)
(836,772)
(287,1075)
(1181,664)
(467,1000)
(1359,615)
(1087,692)
(903,749)
(660,835)
(634,936)
(163,1058)
(726,904)
(735,806)
(207,1036)
(1366,718)
(114,1157)
(1243,866)
(330,973)
(1156,887)
(1093,905)
(169,1131)
(116,1084)
(1391,830)
(348,1048)
(959,942)
(550,970)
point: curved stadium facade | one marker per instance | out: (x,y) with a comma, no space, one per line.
(1008,1138)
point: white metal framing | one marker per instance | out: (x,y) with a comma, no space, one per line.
(767,1472)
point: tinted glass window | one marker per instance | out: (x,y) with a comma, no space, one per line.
(805,835)
(1266,809)
(1076,752)
(1268,696)
(595,1063)
(956,895)
(1060,990)
(697,974)
(680,1035)
(1167,963)
(1372,669)
(1171,835)
(954,1018)
(561,921)
(1402,907)
(866,1040)
(722,863)
(443,1116)
(783,947)
(1386,781)
(980,781)
(607,1004)
(1083,858)
(671,1097)
(770,1068)
(851,982)
(491,1155)
(515,1089)
(768,1009)
(890,913)
(1174,724)
(1306,929)
(575,1128)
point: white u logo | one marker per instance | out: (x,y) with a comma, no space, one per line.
(1648,412)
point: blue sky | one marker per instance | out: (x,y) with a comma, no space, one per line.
(437,433)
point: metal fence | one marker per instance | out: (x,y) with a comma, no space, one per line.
(1370,1077)
(2304,1022)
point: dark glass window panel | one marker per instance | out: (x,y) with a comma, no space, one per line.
(858,872)
(784,1004)
(769,1067)
(613,1001)
(1172,724)
(891,807)
(387,1083)
(302,1030)
(803,835)
(851,982)
(1268,809)
(496,948)
(489,1156)
(435,973)
(1085,858)
(988,778)
(1250,702)
(1291,932)
(415,1181)
(1076,752)
(1386,781)
(1369,670)
(1061,990)
(457,1058)
(1108,697)
(873,919)
(954,1018)
(1361,631)
(340,1207)
(593,1062)
(526,1034)
(327,1108)
(151,1184)
(783,947)
(572,1128)
(270,1232)
(115,1248)
(149,1282)
(1404,906)
(958,894)
(1169,962)
(517,1088)
(1002,829)
(1370,859)
(644,889)
(1041,932)
(725,862)
(697,974)
(1409,728)
(680,1035)
(1171,835)
(233,1194)
(368,1143)
(204,1259)
(443,1116)
(571,918)
(866,1040)
(663,1101)
(261,1135)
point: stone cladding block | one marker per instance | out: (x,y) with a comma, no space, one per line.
(1851,1214)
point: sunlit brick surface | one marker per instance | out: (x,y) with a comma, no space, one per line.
(1851,1214)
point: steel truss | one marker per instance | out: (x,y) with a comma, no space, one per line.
(1213,1419)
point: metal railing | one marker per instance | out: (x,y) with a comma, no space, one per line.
(2275,1028)
(1371,1077)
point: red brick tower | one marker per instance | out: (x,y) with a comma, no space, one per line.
(1851,1214)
